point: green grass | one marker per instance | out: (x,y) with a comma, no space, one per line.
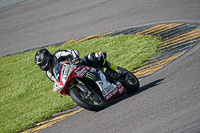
(26,93)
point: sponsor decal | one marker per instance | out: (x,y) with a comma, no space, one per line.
(112,93)
(107,90)
(121,89)
(115,92)
(65,71)
(81,72)
(91,76)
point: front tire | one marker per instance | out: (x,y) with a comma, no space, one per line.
(93,102)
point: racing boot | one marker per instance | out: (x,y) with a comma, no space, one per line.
(116,71)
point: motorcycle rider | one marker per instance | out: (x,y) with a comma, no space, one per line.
(46,61)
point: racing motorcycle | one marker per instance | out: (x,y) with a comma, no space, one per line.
(91,87)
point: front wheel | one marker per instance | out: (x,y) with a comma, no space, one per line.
(93,102)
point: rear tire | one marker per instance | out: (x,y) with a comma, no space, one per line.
(132,84)
(94,102)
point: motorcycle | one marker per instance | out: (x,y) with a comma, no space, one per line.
(91,87)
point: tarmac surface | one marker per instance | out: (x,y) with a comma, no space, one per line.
(178,38)
(168,100)
(38,23)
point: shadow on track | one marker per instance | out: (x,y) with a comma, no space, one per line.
(143,88)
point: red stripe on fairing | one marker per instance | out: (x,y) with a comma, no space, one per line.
(61,72)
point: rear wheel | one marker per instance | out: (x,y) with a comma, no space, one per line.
(131,84)
(93,102)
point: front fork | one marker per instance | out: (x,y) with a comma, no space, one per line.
(83,88)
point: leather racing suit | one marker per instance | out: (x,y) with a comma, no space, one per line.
(93,59)
(60,56)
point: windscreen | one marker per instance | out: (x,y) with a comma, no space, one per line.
(67,68)
(56,71)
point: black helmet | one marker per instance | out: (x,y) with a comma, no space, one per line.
(43,58)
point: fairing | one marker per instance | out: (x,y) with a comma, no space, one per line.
(65,74)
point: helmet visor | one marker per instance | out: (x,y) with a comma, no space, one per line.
(44,62)
(45,65)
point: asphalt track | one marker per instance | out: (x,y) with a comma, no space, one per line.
(38,23)
(168,100)
(178,39)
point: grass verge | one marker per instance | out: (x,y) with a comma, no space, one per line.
(26,92)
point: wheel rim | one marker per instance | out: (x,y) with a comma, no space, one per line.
(93,99)
(130,79)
